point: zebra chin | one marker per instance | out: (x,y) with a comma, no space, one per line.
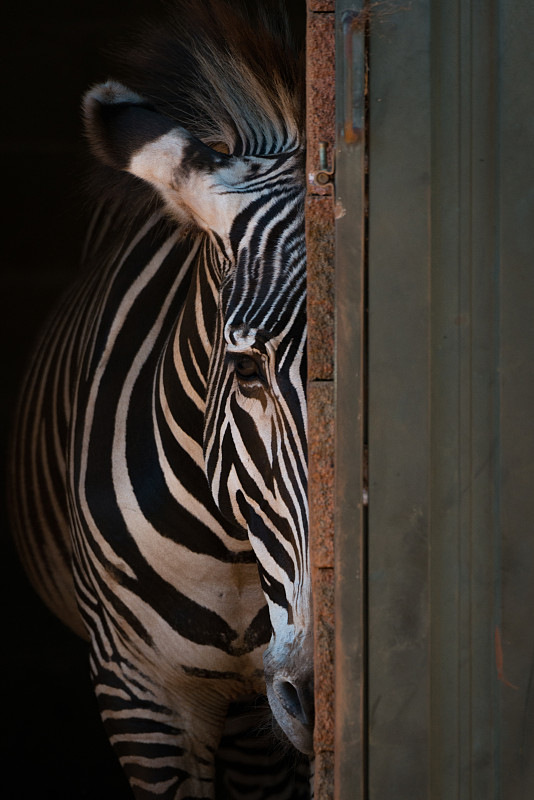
(289,682)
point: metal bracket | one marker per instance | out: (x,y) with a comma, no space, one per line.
(324,176)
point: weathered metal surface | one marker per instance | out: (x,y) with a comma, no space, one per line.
(451,290)
(350,518)
(320,98)
(320,246)
(320,92)
(399,409)
(464,436)
(437,702)
(321,479)
(321,5)
(324,661)
(321,472)
(515,501)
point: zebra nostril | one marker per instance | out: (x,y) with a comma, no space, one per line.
(295,699)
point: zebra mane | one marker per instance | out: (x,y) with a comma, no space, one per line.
(229,71)
(225,70)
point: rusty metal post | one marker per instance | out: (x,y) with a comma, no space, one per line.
(335,214)
(320,246)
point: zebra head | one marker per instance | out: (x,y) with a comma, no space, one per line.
(254,438)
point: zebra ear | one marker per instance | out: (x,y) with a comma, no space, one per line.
(119,123)
(127,133)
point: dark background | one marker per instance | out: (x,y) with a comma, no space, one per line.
(52,743)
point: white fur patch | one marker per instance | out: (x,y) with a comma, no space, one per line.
(156,161)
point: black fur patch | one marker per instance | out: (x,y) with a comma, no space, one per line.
(119,130)
(198,157)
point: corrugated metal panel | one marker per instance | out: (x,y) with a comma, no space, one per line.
(464,334)
(399,404)
(451,552)
(438,701)
(516,377)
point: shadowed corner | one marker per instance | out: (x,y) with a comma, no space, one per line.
(52,743)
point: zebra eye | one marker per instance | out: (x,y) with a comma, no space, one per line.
(247,368)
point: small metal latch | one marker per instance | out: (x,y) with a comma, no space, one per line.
(324,176)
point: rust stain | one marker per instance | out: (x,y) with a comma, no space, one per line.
(320,93)
(499,659)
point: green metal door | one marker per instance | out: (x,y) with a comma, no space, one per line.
(433,377)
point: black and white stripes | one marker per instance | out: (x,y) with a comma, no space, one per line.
(159,464)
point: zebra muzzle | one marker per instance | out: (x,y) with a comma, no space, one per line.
(292,703)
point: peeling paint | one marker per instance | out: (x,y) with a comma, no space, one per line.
(339,210)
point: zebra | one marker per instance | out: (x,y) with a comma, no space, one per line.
(159,470)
